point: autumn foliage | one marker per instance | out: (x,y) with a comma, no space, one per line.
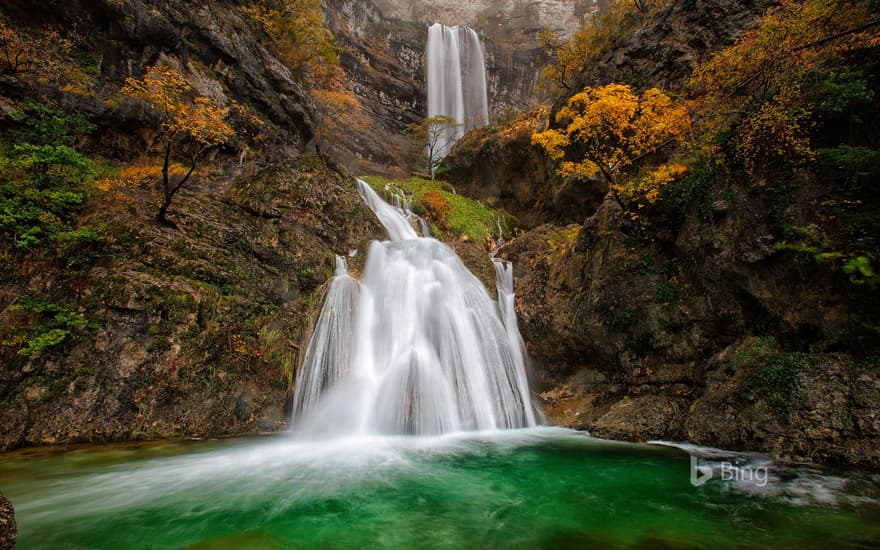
(765,84)
(570,58)
(604,130)
(188,126)
(298,34)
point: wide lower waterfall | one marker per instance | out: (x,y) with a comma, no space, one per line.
(456,81)
(416,347)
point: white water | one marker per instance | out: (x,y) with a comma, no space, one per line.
(456,81)
(428,352)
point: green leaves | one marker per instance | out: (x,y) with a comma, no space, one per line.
(41,191)
(54,323)
(41,123)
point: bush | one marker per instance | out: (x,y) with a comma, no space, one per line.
(53,323)
(42,190)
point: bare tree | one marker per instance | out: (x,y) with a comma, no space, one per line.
(435,133)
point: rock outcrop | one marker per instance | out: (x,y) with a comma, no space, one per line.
(8,529)
(673,41)
(686,319)
(193,327)
(647,334)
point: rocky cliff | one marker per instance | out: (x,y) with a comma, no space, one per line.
(136,329)
(8,529)
(685,320)
(383,53)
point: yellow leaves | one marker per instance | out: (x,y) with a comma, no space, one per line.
(552,141)
(610,127)
(135,176)
(599,109)
(17,54)
(245,347)
(298,34)
(199,120)
(162,86)
(761,82)
(341,112)
(649,186)
(584,169)
(597,37)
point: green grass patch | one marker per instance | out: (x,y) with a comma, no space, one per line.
(454,213)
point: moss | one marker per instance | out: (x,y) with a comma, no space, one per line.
(778,376)
(444,208)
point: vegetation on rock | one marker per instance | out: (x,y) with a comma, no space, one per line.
(187,127)
(449,213)
(432,133)
(609,128)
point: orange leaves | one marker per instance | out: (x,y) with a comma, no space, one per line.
(193,125)
(436,206)
(199,120)
(298,34)
(610,127)
(16,55)
(341,112)
(162,86)
(762,81)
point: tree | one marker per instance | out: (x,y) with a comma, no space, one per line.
(187,127)
(770,85)
(435,133)
(41,54)
(341,110)
(300,38)
(603,33)
(606,129)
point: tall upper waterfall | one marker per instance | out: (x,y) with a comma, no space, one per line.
(416,347)
(456,80)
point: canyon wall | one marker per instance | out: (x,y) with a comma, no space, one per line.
(384,55)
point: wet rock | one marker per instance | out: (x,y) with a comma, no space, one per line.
(643,418)
(8,528)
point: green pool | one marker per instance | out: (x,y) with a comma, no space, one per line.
(536,488)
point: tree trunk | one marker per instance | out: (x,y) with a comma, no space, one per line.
(160,217)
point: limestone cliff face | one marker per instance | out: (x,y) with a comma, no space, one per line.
(192,328)
(565,16)
(685,321)
(384,43)
(196,327)
(384,58)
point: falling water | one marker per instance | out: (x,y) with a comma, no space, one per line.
(328,355)
(429,352)
(456,80)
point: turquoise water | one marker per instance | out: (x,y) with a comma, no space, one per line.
(538,488)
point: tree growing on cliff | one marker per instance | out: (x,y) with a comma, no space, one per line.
(299,36)
(188,126)
(431,132)
(607,129)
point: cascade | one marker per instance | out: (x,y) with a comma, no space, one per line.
(456,81)
(416,347)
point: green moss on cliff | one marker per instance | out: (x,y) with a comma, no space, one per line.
(447,211)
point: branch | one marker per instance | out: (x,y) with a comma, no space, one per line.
(841,34)
(666,143)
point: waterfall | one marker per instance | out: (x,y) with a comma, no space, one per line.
(416,347)
(456,81)
(328,354)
